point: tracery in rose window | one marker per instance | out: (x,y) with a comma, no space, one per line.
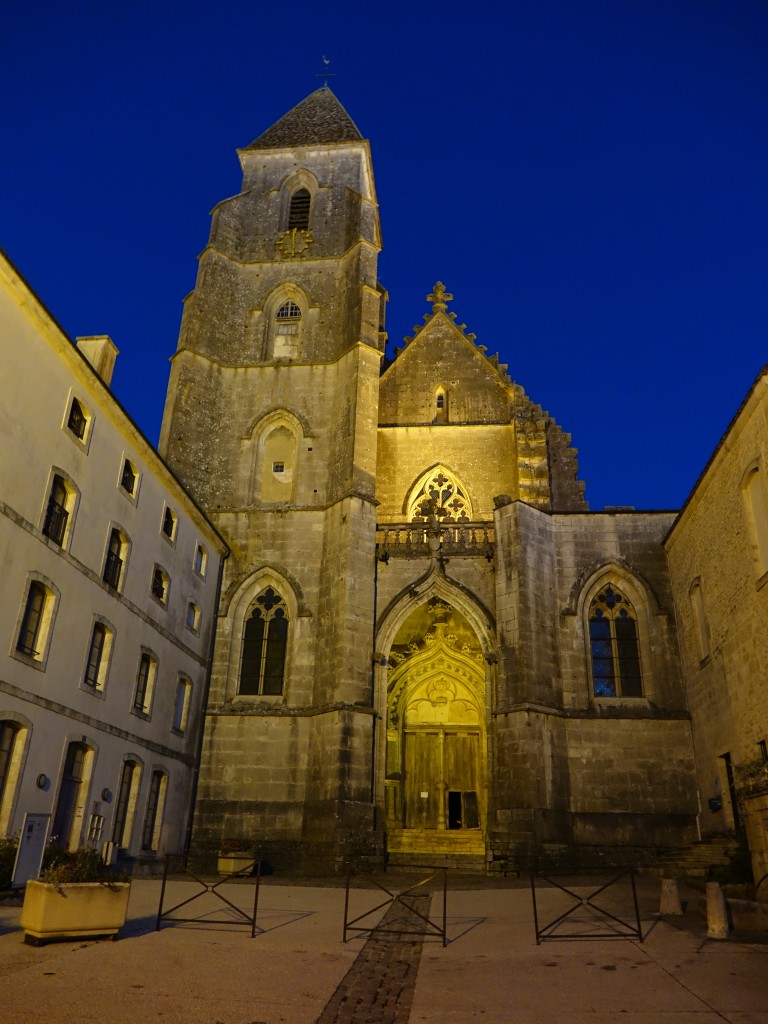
(440,494)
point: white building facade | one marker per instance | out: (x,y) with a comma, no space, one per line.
(107,610)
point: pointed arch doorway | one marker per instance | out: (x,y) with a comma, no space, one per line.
(436,763)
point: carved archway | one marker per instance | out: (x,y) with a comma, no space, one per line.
(436,762)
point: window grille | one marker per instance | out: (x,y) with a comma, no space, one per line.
(95,829)
(287,318)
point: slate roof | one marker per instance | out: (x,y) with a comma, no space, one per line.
(319,118)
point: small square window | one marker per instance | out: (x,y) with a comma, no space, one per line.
(278,467)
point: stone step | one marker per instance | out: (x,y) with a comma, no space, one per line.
(466,863)
(697,858)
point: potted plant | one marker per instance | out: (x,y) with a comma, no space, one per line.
(77,896)
(236,857)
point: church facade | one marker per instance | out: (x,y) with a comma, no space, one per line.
(428,649)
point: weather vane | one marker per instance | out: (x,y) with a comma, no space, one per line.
(325,74)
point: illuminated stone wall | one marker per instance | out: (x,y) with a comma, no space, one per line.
(718,547)
(571,768)
(275,433)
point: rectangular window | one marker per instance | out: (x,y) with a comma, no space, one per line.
(169,523)
(31,623)
(9,732)
(113,565)
(94,670)
(77,422)
(129,478)
(145,681)
(201,560)
(159,585)
(150,836)
(602,658)
(181,705)
(126,804)
(193,617)
(56,514)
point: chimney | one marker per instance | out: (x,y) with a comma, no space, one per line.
(101,352)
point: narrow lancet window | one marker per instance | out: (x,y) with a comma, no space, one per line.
(265,641)
(614,646)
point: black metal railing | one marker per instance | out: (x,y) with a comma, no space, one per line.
(584,911)
(206,888)
(406,898)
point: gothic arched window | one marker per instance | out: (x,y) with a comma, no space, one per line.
(298,212)
(614,646)
(440,494)
(262,668)
(287,326)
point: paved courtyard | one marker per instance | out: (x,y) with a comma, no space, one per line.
(297,970)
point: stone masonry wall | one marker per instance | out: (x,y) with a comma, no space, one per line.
(713,543)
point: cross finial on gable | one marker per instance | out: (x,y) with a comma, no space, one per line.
(325,74)
(439,298)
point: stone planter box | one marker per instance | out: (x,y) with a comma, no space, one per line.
(73,910)
(236,863)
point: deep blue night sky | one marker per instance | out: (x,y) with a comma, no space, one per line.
(587,178)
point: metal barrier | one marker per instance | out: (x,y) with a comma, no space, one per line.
(430,928)
(212,889)
(619,929)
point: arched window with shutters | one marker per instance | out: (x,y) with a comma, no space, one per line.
(614,647)
(265,641)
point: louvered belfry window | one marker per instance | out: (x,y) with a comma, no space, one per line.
(298,213)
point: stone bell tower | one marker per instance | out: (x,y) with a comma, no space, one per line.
(270,422)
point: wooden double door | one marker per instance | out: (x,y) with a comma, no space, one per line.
(441,778)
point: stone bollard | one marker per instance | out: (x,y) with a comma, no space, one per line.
(670,897)
(717,912)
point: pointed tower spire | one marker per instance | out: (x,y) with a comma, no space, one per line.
(318,119)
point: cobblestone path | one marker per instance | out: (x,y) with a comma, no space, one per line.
(378,988)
